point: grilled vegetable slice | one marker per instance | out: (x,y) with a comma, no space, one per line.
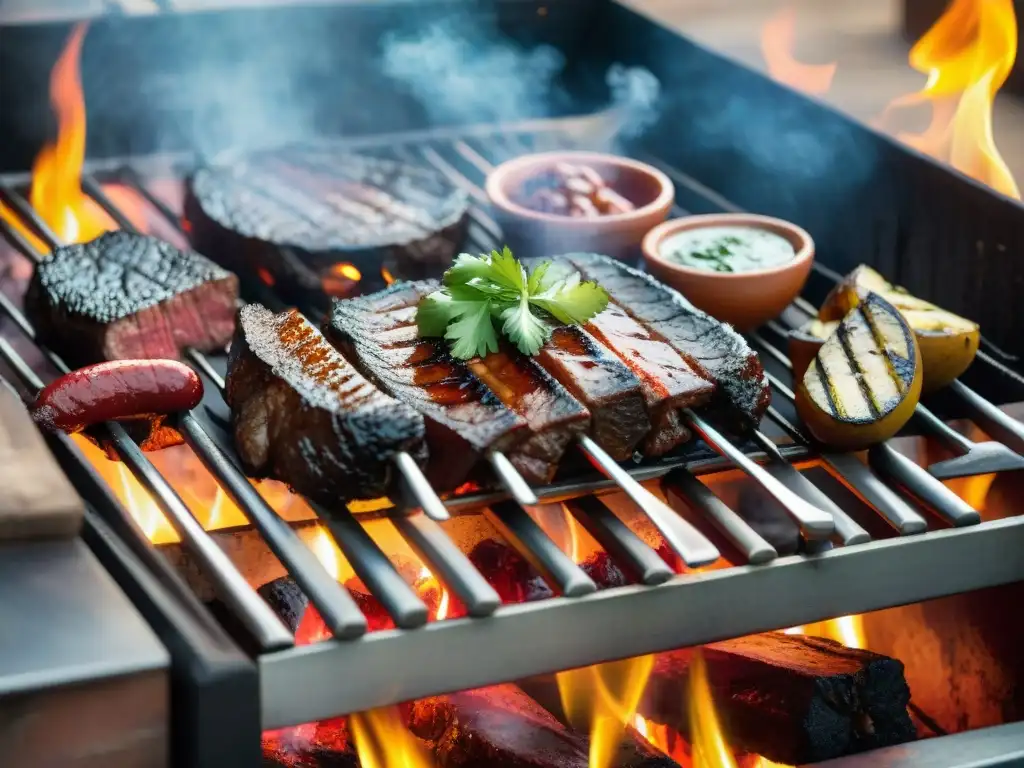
(865,381)
(948,342)
(805,342)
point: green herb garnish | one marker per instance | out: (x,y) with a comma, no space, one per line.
(481,291)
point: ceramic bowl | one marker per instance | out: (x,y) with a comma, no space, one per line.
(744,299)
(536,233)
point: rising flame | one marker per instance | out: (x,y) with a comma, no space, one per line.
(848,630)
(967,55)
(383,741)
(327,552)
(385,273)
(707,740)
(340,279)
(56,175)
(603,700)
(778,41)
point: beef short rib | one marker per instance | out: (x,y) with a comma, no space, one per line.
(125,296)
(464,418)
(297,211)
(303,415)
(713,346)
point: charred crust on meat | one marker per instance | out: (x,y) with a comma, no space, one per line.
(128,295)
(302,414)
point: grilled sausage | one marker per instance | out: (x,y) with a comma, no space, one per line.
(120,389)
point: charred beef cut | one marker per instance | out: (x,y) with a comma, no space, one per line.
(124,296)
(721,353)
(668,381)
(297,211)
(380,332)
(464,419)
(599,380)
(302,414)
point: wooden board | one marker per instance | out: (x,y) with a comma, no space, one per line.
(37,501)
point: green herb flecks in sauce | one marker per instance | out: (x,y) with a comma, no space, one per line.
(727,249)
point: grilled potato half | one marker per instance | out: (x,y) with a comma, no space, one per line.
(865,381)
(948,342)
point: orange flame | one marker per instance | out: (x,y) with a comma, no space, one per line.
(967,55)
(707,740)
(340,279)
(386,274)
(603,699)
(848,630)
(327,552)
(973,490)
(778,41)
(56,175)
(383,741)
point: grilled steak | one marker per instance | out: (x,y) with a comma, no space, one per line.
(668,381)
(298,211)
(720,353)
(302,414)
(599,380)
(464,417)
(124,296)
(553,416)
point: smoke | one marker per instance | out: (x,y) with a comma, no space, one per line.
(464,73)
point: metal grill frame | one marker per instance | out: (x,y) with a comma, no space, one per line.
(358,671)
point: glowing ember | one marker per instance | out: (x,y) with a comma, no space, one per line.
(385,273)
(341,279)
(967,55)
(778,41)
(603,699)
(383,741)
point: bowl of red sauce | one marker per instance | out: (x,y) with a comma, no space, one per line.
(558,202)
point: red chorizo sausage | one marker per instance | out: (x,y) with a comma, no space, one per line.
(120,389)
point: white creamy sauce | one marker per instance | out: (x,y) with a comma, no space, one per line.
(727,249)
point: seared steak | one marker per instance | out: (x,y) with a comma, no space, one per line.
(298,211)
(124,296)
(464,417)
(303,415)
(668,381)
(599,380)
(717,350)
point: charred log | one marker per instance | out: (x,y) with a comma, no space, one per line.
(316,745)
(792,699)
(502,727)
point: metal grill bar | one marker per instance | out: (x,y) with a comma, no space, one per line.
(618,540)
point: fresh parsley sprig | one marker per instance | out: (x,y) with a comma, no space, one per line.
(483,291)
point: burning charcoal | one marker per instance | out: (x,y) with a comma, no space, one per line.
(512,577)
(287,599)
(791,698)
(601,568)
(296,211)
(325,744)
(502,727)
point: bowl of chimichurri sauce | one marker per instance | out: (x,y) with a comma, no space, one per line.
(741,268)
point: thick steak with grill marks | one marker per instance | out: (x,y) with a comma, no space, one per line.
(717,350)
(303,415)
(603,383)
(124,296)
(380,330)
(296,211)
(464,418)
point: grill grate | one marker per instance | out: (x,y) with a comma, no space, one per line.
(313,682)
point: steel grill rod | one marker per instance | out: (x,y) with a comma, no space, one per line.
(681,484)
(539,550)
(414,483)
(255,614)
(619,540)
(447,561)
(898,468)
(685,540)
